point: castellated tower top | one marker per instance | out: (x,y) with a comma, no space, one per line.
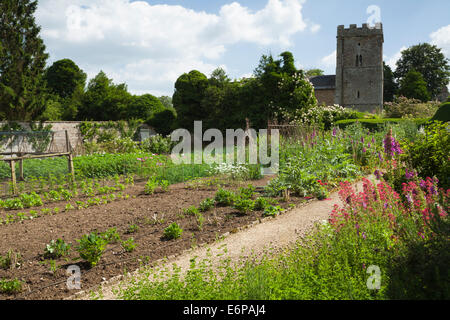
(359,67)
(365,30)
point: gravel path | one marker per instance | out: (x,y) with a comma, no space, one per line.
(274,233)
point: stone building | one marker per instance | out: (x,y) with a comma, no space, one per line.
(358,82)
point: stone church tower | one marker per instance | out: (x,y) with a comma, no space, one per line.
(359,67)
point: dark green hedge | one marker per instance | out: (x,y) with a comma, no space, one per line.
(443,113)
(374,124)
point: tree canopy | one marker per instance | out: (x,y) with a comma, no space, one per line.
(189,92)
(64,77)
(390,86)
(22,61)
(314,72)
(430,62)
(413,86)
(104,100)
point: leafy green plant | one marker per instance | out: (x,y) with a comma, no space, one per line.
(150,186)
(56,249)
(132,229)
(164,184)
(54,195)
(247,193)
(69,207)
(10,286)
(429,155)
(11,260)
(224,197)
(261,203)
(91,248)
(66,194)
(13,204)
(272,211)
(173,231)
(244,205)
(129,245)
(191,211)
(200,220)
(111,235)
(206,204)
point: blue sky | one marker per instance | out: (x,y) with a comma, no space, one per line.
(148,44)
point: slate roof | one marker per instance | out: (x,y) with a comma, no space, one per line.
(324,82)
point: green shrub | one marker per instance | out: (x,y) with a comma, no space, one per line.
(158,144)
(224,197)
(56,249)
(377,124)
(206,204)
(173,231)
(91,248)
(429,156)
(409,108)
(244,206)
(443,113)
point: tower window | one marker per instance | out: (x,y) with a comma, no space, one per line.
(358,94)
(360,60)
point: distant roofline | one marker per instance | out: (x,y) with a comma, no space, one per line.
(325,83)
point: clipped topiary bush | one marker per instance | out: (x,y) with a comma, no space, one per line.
(377,124)
(443,113)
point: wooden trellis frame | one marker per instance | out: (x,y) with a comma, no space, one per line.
(23,156)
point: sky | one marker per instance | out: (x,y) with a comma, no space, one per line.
(149,44)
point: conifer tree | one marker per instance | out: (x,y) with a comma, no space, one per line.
(22,61)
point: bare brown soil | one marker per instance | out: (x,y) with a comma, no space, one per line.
(30,237)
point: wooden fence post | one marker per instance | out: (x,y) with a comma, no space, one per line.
(70,158)
(13,176)
(21,177)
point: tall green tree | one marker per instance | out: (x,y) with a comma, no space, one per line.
(64,77)
(413,86)
(187,99)
(22,61)
(104,100)
(284,89)
(66,83)
(430,62)
(166,101)
(144,107)
(390,87)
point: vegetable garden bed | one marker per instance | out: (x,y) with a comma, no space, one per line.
(133,214)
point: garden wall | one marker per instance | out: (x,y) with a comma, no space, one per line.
(74,133)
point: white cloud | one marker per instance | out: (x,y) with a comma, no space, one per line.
(329,61)
(149,46)
(441,38)
(392,60)
(315,28)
